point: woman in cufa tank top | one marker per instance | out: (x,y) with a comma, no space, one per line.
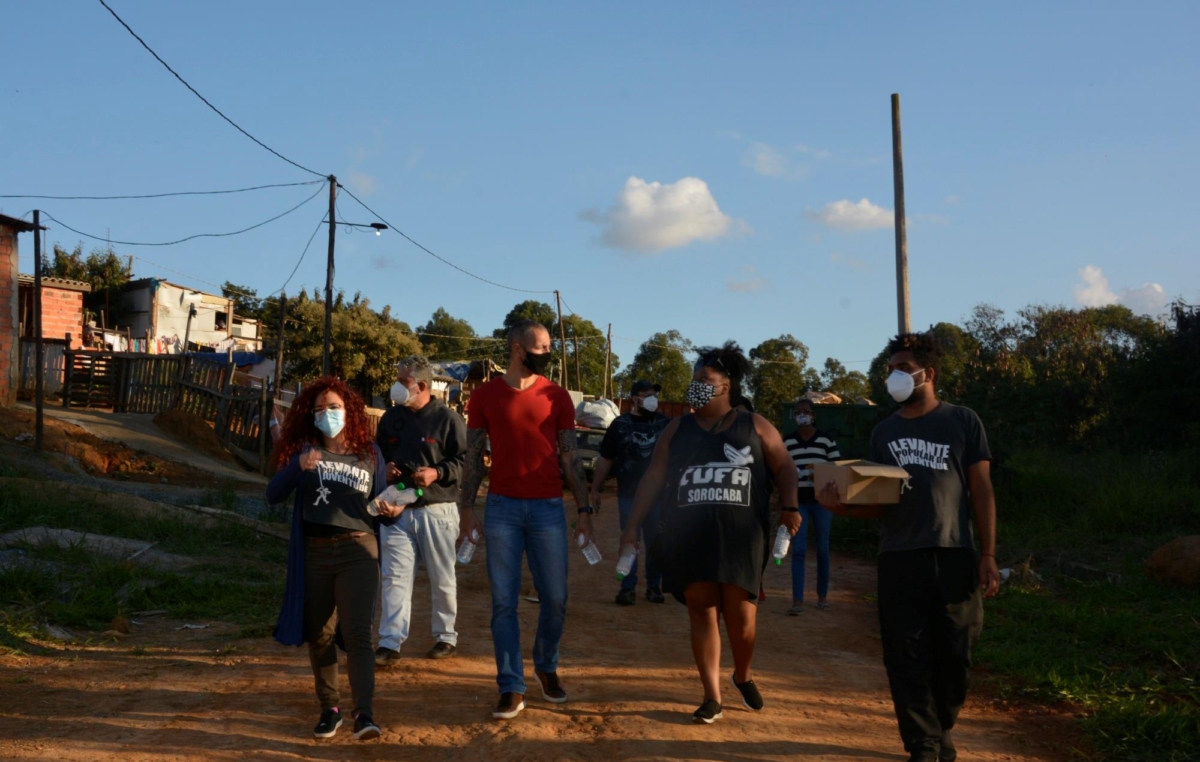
(712,467)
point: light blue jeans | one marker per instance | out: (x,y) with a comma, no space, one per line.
(514,527)
(419,535)
(649,532)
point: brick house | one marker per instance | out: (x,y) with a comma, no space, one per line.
(62,309)
(9,314)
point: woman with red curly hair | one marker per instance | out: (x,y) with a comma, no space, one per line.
(327,457)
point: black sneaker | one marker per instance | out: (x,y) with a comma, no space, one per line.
(443,650)
(626,598)
(751,698)
(327,726)
(708,713)
(654,595)
(552,689)
(365,728)
(947,753)
(511,704)
(386,657)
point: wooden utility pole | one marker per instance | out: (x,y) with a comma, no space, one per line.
(608,384)
(326,364)
(578,373)
(187,331)
(902,308)
(562,338)
(39,357)
(279,345)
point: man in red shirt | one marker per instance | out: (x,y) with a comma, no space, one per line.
(531,423)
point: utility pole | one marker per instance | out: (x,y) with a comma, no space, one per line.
(578,373)
(279,346)
(39,356)
(608,384)
(326,364)
(562,338)
(902,308)
(187,331)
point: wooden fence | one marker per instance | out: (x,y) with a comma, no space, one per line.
(53,360)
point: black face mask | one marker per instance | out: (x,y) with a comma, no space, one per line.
(537,363)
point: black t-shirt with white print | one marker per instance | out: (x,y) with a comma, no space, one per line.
(936,449)
(335,495)
(805,452)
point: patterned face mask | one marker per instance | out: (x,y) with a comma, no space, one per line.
(700,394)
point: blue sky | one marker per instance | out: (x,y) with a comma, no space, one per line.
(1051,152)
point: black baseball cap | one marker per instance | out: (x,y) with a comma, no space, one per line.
(645,386)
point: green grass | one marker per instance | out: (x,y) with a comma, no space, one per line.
(239,579)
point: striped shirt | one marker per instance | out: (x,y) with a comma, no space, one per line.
(820,449)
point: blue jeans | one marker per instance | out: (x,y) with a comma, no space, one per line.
(811,514)
(648,532)
(512,528)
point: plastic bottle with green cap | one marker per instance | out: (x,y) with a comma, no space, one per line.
(397,494)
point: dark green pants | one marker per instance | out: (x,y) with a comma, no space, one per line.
(341,579)
(930,615)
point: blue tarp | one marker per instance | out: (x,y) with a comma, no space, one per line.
(455,370)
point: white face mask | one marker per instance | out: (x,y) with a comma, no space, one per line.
(650,404)
(399,394)
(901,385)
(804,419)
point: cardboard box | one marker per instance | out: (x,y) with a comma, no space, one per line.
(861,482)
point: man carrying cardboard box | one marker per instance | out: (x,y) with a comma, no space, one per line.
(930,589)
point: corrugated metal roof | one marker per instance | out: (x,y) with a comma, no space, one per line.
(63,283)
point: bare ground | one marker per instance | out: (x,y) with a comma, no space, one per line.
(165,694)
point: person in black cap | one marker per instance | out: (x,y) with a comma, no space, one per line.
(627,447)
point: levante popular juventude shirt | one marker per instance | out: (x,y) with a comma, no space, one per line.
(523,427)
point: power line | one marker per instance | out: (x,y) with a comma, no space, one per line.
(438,257)
(166,195)
(297,267)
(201,97)
(189,238)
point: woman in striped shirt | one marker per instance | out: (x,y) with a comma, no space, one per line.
(810,445)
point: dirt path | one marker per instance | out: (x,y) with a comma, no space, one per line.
(163,694)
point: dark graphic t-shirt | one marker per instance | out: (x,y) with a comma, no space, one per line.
(936,450)
(629,443)
(336,494)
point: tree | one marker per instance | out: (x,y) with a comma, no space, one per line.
(103,270)
(592,345)
(530,309)
(849,385)
(245,300)
(450,338)
(780,374)
(661,360)
(365,345)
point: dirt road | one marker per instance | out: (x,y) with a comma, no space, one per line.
(163,694)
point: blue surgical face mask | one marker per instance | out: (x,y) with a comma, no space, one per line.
(331,421)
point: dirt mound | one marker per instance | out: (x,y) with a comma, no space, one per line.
(195,432)
(97,456)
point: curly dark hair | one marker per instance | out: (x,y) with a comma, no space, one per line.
(729,360)
(925,349)
(300,429)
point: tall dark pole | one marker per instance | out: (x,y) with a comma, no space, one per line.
(578,373)
(39,358)
(902,309)
(562,337)
(608,369)
(326,364)
(187,329)
(279,347)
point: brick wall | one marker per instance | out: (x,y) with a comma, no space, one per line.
(8,317)
(62,313)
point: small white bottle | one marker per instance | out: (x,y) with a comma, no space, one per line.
(396,494)
(466,551)
(590,551)
(625,562)
(783,541)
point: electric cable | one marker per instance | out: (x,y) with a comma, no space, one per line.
(165,195)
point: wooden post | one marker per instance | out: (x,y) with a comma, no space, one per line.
(904,314)
(578,374)
(279,348)
(562,338)
(187,331)
(326,361)
(39,371)
(264,427)
(68,371)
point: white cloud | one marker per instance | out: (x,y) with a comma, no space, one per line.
(766,160)
(362,183)
(847,215)
(652,217)
(1094,291)
(753,281)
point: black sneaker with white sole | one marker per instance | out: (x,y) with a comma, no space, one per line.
(365,728)
(327,726)
(511,704)
(751,698)
(708,713)
(552,689)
